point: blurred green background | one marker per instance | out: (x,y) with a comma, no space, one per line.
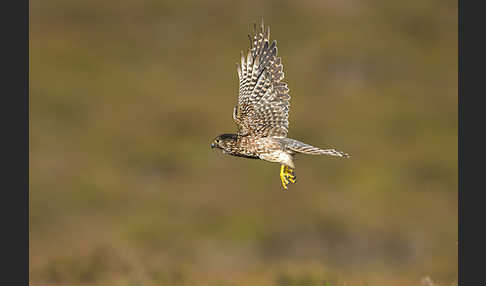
(126,97)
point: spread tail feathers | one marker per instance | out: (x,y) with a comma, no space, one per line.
(303,148)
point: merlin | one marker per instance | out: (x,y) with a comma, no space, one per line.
(262,111)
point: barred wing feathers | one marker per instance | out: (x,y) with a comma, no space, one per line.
(263,100)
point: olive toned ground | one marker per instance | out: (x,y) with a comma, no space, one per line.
(127,95)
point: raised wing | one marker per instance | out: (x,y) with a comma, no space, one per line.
(263,101)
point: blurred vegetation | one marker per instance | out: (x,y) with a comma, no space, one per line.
(127,95)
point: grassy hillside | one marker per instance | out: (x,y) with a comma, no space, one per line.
(126,97)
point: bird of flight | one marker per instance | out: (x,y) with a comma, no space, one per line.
(262,111)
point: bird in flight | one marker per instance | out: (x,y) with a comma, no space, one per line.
(262,111)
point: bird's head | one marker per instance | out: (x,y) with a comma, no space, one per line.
(225,142)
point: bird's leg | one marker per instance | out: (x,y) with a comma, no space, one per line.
(287,176)
(282,177)
(291,175)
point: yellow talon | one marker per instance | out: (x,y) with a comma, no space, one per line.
(290,175)
(282,177)
(286,175)
(292,180)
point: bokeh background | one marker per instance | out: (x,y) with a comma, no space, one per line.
(126,97)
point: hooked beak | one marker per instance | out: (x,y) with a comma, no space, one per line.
(212,145)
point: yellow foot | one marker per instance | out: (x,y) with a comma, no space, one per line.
(287,176)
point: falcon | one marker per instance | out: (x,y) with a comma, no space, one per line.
(262,111)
